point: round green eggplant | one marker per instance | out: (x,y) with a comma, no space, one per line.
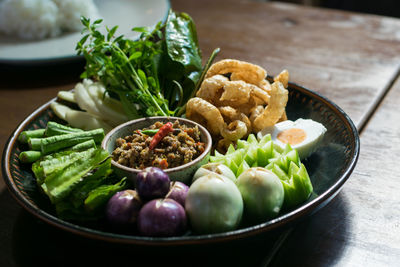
(262,194)
(214,204)
(216,167)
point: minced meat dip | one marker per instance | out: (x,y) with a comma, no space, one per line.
(178,147)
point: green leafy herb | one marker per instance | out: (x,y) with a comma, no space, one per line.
(153,75)
(116,63)
(98,197)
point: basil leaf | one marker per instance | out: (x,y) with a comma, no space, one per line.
(99,196)
(182,61)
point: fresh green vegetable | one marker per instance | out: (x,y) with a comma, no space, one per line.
(294,177)
(91,181)
(112,61)
(35,143)
(76,182)
(29,156)
(76,177)
(210,60)
(59,185)
(50,164)
(181,64)
(98,197)
(54,143)
(46,137)
(218,168)
(84,145)
(39,137)
(286,165)
(262,193)
(154,75)
(150,132)
(250,153)
(242,167)
(214,204)
(25,135)
(54,128)
(92,202)
(87,200)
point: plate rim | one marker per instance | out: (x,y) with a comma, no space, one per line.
(250,231)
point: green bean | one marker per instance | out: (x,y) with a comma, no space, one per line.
(29,156)
(25,135)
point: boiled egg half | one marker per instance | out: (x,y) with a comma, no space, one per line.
(304,135)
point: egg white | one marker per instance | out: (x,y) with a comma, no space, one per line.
(314,134)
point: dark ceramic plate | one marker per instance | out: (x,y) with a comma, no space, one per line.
(329,168)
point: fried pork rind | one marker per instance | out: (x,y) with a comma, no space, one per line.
(266,86)
(275,108)
(255,112)
(260,95)
(247,72)
(211,88)
(236,91)
(230,114)
(282,77)
(234,130)
(218,89)
(235,100)
(205,113)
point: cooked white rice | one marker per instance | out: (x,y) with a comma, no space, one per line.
(38,19)
(70,13)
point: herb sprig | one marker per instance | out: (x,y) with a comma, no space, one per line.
(124,67)
(153,75)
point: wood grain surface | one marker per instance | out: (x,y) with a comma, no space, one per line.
(352,59)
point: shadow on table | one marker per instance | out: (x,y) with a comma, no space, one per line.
(40,75)
(320,239)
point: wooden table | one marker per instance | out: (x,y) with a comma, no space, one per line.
(352,59)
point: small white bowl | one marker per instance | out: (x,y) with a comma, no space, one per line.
(182,173)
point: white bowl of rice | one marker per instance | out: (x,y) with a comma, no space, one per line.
(40,19)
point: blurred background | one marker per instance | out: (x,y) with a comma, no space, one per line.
(381,7)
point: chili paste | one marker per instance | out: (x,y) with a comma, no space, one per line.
(178,146)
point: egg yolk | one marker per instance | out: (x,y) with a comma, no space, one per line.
(292,136)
